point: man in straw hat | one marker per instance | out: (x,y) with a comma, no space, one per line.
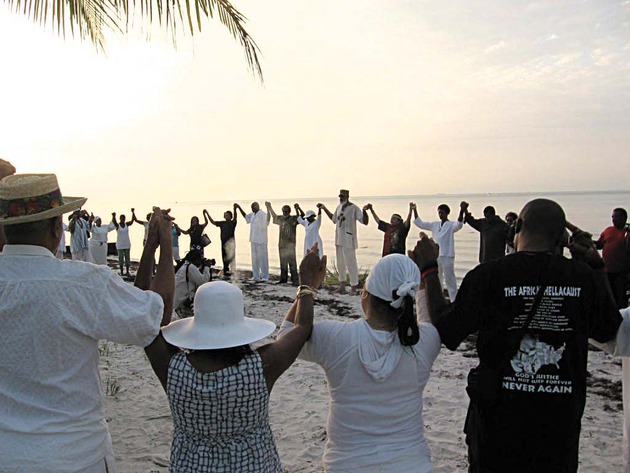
(52,315)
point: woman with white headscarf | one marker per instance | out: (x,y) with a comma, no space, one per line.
(98,242)
(377,368)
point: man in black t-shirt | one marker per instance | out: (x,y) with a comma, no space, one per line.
(529,391)
(228,243)
(286,242)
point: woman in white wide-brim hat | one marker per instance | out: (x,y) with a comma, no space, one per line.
(377,368)
(218,386)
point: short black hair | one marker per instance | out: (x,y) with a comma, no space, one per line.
(489,210)
(622,211)
(444,207)
(18,232)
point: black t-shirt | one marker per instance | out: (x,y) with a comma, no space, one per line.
(395,238)
(227,229)
(536,423)
(288,224)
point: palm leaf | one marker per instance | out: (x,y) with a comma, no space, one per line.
(89,19)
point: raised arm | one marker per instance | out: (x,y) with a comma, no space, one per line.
(207,216)
(298,210)
(135,219)
(234,213)
(240,209)
(114,220)
(278,356)
(270,212)
(365,218)
(159,352)
(463,208)
(371,209)
(425,256)
(205,219)
(321,206)
(413,208)
(408,221)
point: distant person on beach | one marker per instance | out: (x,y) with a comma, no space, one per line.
(396,231)
(510,219)
(61,249)
(79,236)
(345,218)
(175,233)
(258,222)
(196,233)
(286,242)
(6,169)
(98,242)
(533,314)
(190,273)
(377,368)
(52,417)
(144,223)
(123,242)
(615,242)
(493,233)
(312,223)
(443,232)
(227,228)
(218,386)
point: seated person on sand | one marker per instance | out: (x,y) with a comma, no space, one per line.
(377,368)
(312,224)
(190,273)
(396,231)
(218,386)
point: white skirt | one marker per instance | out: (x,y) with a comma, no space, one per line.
(99,251)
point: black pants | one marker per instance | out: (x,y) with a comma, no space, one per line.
(619,285)
(287,262)
(227,255)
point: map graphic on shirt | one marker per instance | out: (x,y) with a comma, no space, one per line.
(534,354)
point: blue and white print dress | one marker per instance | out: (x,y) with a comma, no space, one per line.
(221,419)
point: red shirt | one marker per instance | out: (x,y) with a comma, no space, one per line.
(615,253)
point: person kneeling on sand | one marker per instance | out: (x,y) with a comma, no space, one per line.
(218,386)
(377,368)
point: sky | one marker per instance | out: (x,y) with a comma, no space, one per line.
(383,97)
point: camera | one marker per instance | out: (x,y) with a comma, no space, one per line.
(209,262)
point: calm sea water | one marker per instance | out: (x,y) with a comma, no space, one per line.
(589,210)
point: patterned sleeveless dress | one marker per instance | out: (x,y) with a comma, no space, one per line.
(221,419)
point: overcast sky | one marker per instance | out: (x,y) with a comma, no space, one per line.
(379,96)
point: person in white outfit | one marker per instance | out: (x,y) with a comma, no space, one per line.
(258,225)
(79,236)
(345,218)
(444,235)
(61,250)
(312,223)
(377,368)
(98,242)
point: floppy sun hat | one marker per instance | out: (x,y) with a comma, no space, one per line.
(28,198)
(219,321)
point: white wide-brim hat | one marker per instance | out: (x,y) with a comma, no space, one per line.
(219,321)
(26,198)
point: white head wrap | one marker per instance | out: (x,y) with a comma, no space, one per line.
(394,274)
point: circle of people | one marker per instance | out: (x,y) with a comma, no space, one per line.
(533,312)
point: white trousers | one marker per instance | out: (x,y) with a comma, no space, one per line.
(446,266)
(260,261)
(82,255)
(347,264)
(99,252)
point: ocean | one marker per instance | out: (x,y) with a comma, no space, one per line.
(590,211)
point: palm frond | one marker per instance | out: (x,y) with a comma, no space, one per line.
(89,18)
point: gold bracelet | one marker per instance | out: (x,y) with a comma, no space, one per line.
(305,290)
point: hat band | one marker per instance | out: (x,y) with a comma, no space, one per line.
(30,205)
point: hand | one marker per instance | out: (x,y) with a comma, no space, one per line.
(412,206)
(160,233)
(114,215)
(582,247)
(312,268)
(6,169)
(133,210)
(463,205)
(425,251)
(296,206)
(267,204)
(319,206)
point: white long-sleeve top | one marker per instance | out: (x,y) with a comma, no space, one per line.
(258,225)
(311,235)
(443,234)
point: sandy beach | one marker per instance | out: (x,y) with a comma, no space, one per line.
(141,427)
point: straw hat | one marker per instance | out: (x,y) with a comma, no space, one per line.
(28,198)
(218,322)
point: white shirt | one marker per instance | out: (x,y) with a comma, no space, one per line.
(373,425)
(346,221)
(311,234)
(100,233)
(122,239)
(79,237)
(443,234)
(52,315)
(258,226)
(195,279)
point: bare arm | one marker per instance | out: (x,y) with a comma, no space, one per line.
(114,220)
(159,352)
(270,212)
(425,256)
(325,209)
(298,210)
(365,218)
(208,217)
(463,208)
(240,209)
(278,356)
(371,209)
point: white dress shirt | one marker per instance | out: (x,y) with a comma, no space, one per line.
(258,225)
(53,314)
(443,234)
